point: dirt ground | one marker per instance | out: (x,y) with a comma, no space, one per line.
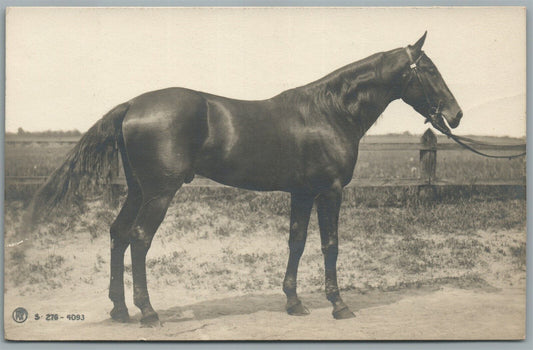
(446,313)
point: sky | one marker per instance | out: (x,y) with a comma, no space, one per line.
(66,67)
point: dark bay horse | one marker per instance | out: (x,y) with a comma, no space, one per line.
(303,141)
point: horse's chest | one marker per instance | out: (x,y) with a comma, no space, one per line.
(328,159)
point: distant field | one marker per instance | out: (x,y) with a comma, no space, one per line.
(34,160)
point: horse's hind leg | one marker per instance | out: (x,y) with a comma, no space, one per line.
(119,243)
(151,214)
(301,206)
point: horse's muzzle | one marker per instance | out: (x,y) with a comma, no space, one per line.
(453,123)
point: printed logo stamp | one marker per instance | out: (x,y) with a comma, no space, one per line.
(20,315)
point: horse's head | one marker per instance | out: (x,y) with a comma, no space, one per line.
(424,89)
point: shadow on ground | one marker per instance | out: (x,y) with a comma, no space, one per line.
(249,304)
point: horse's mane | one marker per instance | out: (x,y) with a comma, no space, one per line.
(369,63)
(330,93)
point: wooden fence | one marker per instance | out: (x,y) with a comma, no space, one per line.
(427,179)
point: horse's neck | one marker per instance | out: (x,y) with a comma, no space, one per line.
(359,103)
(354,95)
(366,107)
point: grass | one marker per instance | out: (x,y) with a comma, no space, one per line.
(460,166)
(49,273)
(34,160)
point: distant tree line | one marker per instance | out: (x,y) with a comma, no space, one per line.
(76,132)
(47,133)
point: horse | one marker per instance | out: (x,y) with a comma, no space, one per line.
(303,141)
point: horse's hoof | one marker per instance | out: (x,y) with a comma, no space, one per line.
(150,320)
(297,309)
(343,314)
(120,314)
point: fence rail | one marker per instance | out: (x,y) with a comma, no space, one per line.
(363,146)
(427,148)
(356,182)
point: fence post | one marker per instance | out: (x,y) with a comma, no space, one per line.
(428,157)
(427,191)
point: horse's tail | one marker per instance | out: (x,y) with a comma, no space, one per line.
(88,166)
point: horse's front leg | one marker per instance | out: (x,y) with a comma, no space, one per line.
(301,206)
(328,207)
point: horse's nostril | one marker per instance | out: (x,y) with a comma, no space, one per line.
(459,115)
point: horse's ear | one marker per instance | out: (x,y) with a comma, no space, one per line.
(417,47)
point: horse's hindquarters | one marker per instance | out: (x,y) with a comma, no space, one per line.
(162,132)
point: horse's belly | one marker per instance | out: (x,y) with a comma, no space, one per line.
(270,172)
(261,172)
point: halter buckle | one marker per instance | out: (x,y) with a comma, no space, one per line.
(412,65)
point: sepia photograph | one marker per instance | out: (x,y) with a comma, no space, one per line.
(263,173)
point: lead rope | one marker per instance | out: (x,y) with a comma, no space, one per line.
(436,110)
(458,139)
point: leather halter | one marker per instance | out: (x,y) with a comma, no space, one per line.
(435,113)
